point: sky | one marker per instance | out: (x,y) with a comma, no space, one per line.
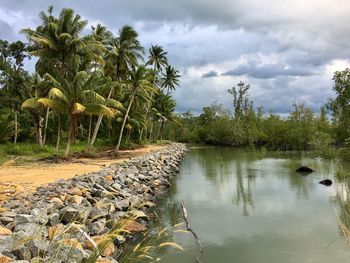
(286,50)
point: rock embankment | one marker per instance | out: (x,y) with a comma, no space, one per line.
(80,218)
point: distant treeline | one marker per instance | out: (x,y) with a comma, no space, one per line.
(244,125)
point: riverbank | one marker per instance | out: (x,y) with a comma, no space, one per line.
(89,216)
(26,177)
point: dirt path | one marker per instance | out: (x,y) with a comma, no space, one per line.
(14,179)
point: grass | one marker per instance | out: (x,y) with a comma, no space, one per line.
(30,152)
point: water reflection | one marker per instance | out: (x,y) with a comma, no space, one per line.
(254,209)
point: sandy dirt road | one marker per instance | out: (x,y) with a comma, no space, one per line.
(20,179)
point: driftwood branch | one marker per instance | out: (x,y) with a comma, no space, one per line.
(189,229)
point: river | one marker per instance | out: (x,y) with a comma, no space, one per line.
(250,207)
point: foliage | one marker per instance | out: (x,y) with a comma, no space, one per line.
(81,77)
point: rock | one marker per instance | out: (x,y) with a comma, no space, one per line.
(54,219)
(109,178)
(4,259)
(40,216)
(304,169)
(6,220)
(75,191)
(69,254)
(21,252)
(78,199)
(56,230)
(5,232)
(57,201)
(97,201)
(70,214)
(96,228)
(22,219)
(31,228)
(73,242)
(102,241)
(39,247)
(6,243)
(96,213)
(326,182)
(133,226)
(8,214)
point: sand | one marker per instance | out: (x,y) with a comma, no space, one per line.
(26,178)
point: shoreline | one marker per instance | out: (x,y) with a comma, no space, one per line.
(76,214)
(16,179)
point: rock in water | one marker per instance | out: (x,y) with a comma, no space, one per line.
(304,169)
(326,182)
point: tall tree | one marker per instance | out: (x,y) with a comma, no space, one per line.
(59,44)
(170,79)
(163,108)
(12,77)
(124,53)
(340,105)
(139,86)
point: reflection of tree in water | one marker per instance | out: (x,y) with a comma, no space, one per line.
(243,191)
(219,165)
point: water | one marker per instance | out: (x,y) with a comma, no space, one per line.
(247,208)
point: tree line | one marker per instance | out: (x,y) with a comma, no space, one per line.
(245,125)
(85,85)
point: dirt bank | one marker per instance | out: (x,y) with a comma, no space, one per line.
(26,178)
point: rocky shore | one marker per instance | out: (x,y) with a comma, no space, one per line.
(91,216)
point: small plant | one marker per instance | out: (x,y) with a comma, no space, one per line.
(341,173)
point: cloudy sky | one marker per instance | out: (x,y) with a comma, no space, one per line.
(286,50)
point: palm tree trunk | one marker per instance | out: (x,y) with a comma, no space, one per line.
(70,135)
(162,130)
(16,127)
(98,123)
(40,131)
(150,104)
(90,122)
(158,132)
(124,122)
(58,132)
(45,127)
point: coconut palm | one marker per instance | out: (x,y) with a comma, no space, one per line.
(139,87)
(170,79)
(58,42)
(37,88)
(124,53)
(157,58)
(76,98)
(163,109)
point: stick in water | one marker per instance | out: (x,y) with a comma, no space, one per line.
(189,229)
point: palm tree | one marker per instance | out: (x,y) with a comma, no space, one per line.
(163,108)
(58,42)
(139,87)
(35,89)
(157,58)
(124,53)
(170,79)
(76,98)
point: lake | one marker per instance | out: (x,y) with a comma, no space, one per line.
(248,206)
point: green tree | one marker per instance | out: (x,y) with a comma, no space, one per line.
(139,87)
(170,79)
(340,105)
(124,53)
(12,78)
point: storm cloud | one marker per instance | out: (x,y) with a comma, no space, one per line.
(286,50)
